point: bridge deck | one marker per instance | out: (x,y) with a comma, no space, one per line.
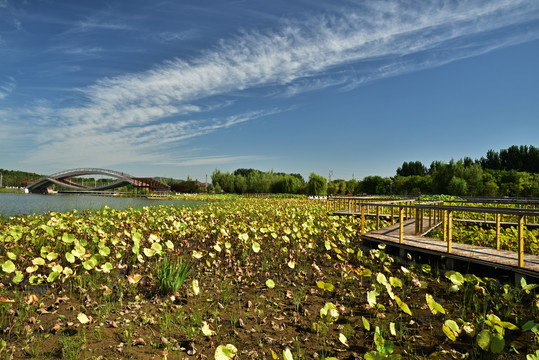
(507,260)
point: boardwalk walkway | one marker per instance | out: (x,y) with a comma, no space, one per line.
(503,259)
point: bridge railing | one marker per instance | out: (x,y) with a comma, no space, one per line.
(439,213)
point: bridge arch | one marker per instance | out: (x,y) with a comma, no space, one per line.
(122,179)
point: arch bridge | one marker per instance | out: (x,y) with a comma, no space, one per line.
(122,179)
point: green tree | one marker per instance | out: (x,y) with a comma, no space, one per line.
(457,186)
(317,185)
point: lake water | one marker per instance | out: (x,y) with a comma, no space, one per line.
(17,204)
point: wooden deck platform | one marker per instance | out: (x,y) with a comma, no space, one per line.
(501,259)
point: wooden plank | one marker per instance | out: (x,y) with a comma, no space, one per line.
(483,255)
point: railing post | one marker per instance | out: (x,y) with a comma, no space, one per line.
(362,219)
(430,218)
(498,216)
(327,204)
(444,225)
(377,217)
(421,213)
(521,241)
(449,230)
(401,225)
(391,220)
(416,221)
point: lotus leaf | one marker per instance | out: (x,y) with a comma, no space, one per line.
(70,258)
(53,276)
(38,261)
(366,323)
(287,354)
(433,305)
(18,277)
(8,267)
(83,319)
(225,352)
(256,247)
(31,269)
(68,238)
(329,313)
(403,306)
(371,297)
(451,329)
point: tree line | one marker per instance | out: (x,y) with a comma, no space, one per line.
(510,172)
(15,178)
(244,181)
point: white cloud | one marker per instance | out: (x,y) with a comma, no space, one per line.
(135,116)
(7,86)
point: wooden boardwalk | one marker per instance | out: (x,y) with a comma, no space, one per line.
(507,260)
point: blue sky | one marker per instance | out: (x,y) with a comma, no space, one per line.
(176,88)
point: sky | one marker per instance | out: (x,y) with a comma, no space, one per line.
(181,88)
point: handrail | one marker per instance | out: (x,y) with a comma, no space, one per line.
(438,213)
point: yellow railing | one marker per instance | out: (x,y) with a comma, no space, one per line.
(438,212)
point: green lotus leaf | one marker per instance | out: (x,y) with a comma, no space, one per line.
(149,252)
(38,261)
(243,237)
(287,354)
(44,251)
(70,258)
(381,278)
(16,232)
(451,329)
(366,323)
(105,251)
(157,247)
(53,276)
(11,255)
(395,282)
(31,269)
(483,339)
(67,271)
(327,245)
(325,286)
(403,306)
(8,267)
(270,283)
(49,230)
(79,251)
(256,247)
(58,268)
(371,298)
(154,238)
(34,280)
(329,313)
(107,267)
(169,245)
(52,256)
(497,343)
(433,305)
(225,352)
(19,276)
(89,264)
(68,238)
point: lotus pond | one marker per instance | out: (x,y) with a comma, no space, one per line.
(244,278)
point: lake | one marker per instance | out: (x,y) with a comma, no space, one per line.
(17,204)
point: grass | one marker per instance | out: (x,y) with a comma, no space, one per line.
(171,273)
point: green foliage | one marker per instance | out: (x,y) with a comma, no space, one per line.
(171,273)
(257,182)
(317,185)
